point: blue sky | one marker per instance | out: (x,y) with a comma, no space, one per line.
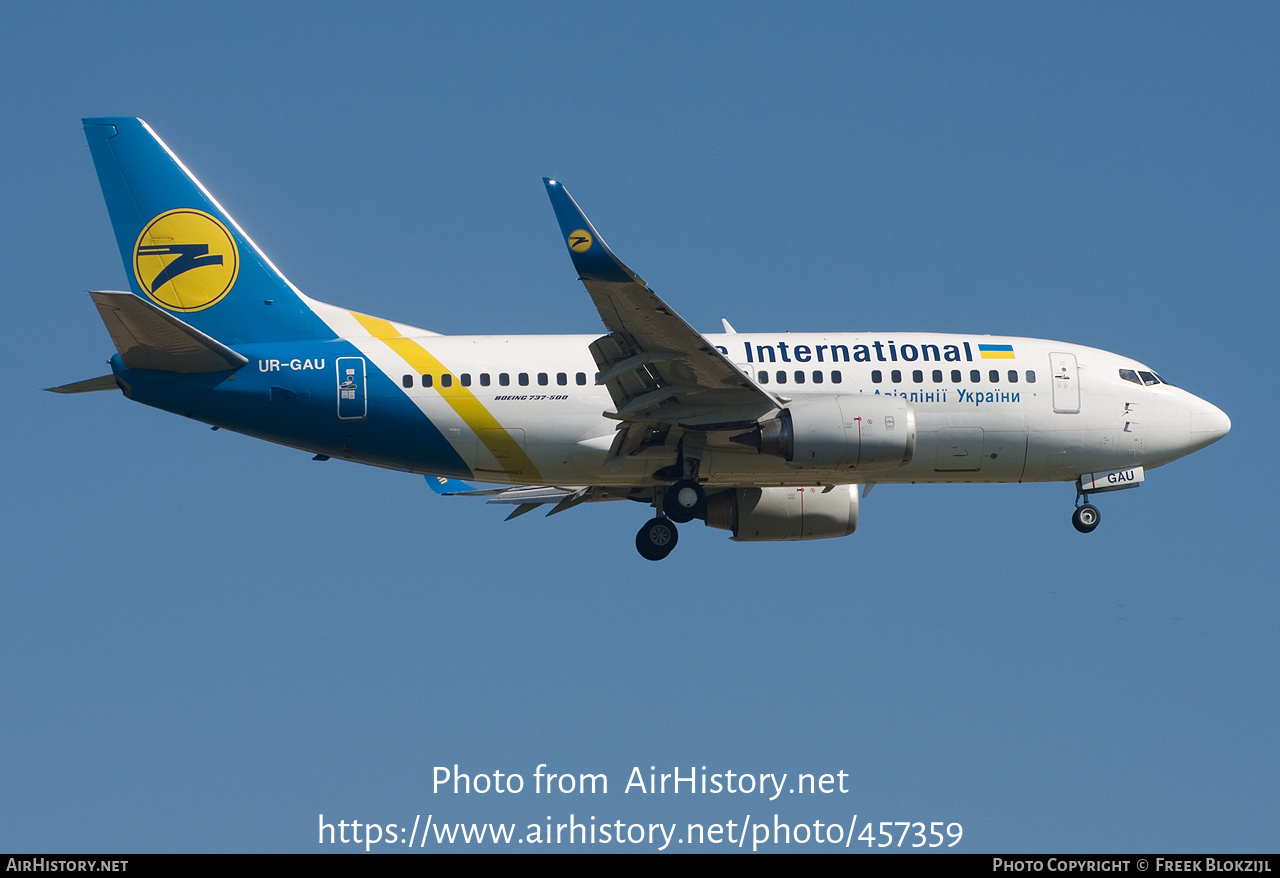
(210,640)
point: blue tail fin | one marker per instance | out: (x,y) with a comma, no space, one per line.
(182,251)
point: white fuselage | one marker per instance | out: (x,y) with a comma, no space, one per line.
(1037,411)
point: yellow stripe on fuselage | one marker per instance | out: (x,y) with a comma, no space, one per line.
(510,456)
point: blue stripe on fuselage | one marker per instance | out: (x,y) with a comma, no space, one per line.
(296,404)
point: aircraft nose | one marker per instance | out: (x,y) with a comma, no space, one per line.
(1208,423)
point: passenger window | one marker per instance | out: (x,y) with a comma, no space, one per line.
(599,378)
(426,380)
(542,379)
(504,379)
(562,379)
(581,378)
(1013,376)
(955,376)
(465,378)
(799,377)
(975,376)
(835,376)
(1031,377)
(763,377)
(446,380)
(896,376)
(407,381)
(876,376)
(995,376)
(918,376)
(817,377)
(937,376)
(782,377)
(484,379)
(523,379)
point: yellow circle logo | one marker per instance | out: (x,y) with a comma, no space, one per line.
(185,260)
(580,241)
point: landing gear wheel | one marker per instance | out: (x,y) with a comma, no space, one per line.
(656,539)
(685,501)
(1086,518)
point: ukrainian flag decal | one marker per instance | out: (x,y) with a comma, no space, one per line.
(995,351)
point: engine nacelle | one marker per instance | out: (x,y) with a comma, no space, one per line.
(858,432)
(767,514)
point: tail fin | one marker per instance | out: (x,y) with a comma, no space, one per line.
(182,251)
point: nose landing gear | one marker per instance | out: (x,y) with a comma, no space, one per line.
(1086,517)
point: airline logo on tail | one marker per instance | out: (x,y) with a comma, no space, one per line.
(185,260)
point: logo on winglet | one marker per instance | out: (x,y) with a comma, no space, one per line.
(185,260)
(580,241)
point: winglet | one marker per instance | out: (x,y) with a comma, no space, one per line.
(591,255)
(442,485)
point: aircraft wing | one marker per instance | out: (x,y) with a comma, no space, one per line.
(657,368)
(526,498)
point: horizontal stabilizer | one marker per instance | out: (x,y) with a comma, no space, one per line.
(148,337)
(89,385)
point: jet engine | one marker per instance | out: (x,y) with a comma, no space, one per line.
(840,432)
(770,514)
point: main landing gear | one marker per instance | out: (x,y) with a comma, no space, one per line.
(656,539)
(682,502)
(1086,517)
(685,501)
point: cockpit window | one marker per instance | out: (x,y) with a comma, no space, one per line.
(1142,377)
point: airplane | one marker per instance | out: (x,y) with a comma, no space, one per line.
(770,436)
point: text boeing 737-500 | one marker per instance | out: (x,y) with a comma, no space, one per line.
(766,435)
